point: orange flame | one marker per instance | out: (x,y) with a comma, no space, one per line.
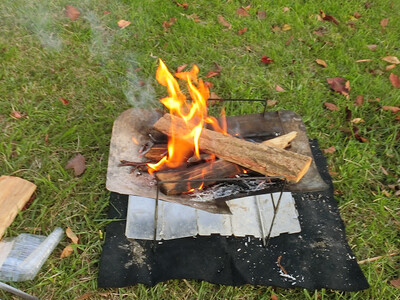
(181,145)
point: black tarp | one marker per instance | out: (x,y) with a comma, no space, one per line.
(317,257)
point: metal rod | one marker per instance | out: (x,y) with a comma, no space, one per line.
(13,290)
(276,208)
(261,221)
(156,217)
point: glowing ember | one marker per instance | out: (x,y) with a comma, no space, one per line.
(182,144)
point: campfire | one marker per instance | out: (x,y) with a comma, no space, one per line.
(193,150)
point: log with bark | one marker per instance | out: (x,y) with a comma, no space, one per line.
(264,159)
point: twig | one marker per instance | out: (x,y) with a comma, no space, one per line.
(279,264)
(368,260)
(126,163)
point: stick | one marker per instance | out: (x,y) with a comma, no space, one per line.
(368,260)
(263,159)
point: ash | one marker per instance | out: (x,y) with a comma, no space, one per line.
(226,191)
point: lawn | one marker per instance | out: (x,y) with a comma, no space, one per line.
(64,80)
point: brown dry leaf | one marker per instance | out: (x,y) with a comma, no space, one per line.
(67,251)
(183,5)
(384,22)
(208,84)
(395,282)
(285,9)
(279,88)
(78,163)
(16,114)
(357,15)
(261,14)
(223,22)
(357,120)
(123,23)
(107,12)
(72,235)
(289,40)
(363,60)
(320,31)
(393,109)
(276,28)
(331,106)
(63,100)
(357,136)
(274,297)
(168,24)
(321,62)
(390,67)
(212,74)
(242,12)
(180,68)
(391,59)
(340,85)
(214,99)
(271,103)
(329,150)
(328,18)
(359,100)
(384,171)
(193,17)
(241,31)
(286,27)
(72,12)
(85,296)
(394,79)
(372,47)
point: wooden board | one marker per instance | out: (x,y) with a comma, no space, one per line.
(14,194)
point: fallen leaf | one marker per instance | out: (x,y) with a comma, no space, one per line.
(384,22)
(357,120)
(329,150)
(340,85)
(328,18)
(72,12)
(247,7)
(16,114)
(279,88)
(276,28)
(214,99)
(391,59)
(183,5)
(218,68)
(72,235)
(352,25)
(85,296)
(274,297)
(266,60)
(359,100)
(363,60)
(67,251)
(193,17)
(384,171)
(242,12)
(208,84)
(271,103)
(289,40)
(107,12)
(286,27)
(331,106)
(78,163)
(63,100)
(212,74)
(372,47)
(321,62)
(285,9)
(320,31)
(241,31)
(46,138)
(390,67)
(349,114)
(367,5)
(180,68)
(393,109)
(223,22)
(395,282)
(123,23)
(168,24)
(358,136)
(394,79)
(261,14)
(357,15)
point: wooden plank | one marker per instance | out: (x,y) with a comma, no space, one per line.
(14,194)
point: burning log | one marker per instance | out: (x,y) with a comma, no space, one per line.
(207,170)
(264,159)
(156,152)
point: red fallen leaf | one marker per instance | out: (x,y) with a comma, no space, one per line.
(359,100)
(123,23)
(78,163)
(384,22)
(393,109)
(329,150)
(241,31)
(72,12)
(242,12)
(208,84)
(16,114)
(331,106)
(180,68)
(266,60)
(168,24)
(328,18)
(223,22)
(107,12)
(340,85)
(212,74)
(274,297)
(279,88)
(63,100)
(394,79)
(372,47)
(357,15)
(141,83)
(395,282)
(261,14)
(183,5)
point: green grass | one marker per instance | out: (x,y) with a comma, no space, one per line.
(93,63)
